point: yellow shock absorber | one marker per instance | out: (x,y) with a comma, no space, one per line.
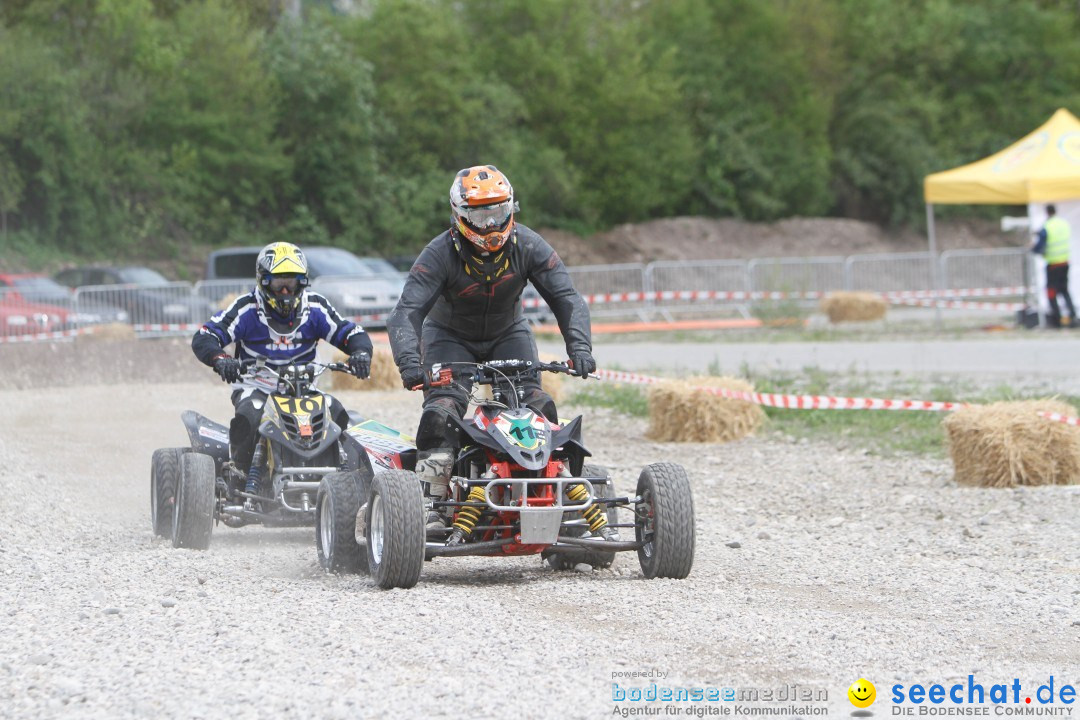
(469,515)
(595,515)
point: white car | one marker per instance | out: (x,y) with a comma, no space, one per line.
(367,288)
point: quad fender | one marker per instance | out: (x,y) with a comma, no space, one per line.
(207,436)
(378,446)
(356,457)
(568,438)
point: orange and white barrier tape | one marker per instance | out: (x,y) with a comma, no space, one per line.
(959,304)
(795,402)
(36,337)
(962,293)
(1058,417)
(166,327)
(899,296)
(817,402)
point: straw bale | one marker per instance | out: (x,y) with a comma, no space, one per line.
(108,332)
(679,413)
(226,301)
(552,383)
(1007,443)
(853,307)
(384,373)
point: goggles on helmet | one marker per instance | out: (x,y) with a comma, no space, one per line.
(285,285)
(488,217)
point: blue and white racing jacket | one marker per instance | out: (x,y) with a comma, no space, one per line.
(245,325)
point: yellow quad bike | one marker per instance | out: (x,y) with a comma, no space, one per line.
(299,444)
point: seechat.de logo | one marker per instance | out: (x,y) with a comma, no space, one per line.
(862,693)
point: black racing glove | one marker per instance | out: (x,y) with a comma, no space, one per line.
(413,375)
(227,367)
(582,363)
(360,364)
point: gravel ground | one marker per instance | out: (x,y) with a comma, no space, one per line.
(815,566)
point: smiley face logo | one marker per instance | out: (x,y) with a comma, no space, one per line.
(862,693)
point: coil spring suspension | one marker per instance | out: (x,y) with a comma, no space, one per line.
(468,516)
(594,515)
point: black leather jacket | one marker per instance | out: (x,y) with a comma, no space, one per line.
(478,298)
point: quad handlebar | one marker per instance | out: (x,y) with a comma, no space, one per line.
(295,379)
(496,373)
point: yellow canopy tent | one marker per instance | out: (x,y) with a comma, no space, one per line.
(1044,166)
(1041,167)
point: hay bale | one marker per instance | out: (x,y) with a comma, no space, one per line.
(854,307)
(384,373)
(226,301)
(108,332)
(1007,444)
(552,383)
(679,413)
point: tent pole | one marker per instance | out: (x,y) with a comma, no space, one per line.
(935,275)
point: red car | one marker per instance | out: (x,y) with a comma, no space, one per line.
(21,309)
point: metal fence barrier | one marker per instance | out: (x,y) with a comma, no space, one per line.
(612,279)
(999,267)
(720,276)
(658,289)
(888,273)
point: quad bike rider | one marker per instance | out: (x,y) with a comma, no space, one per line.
(462,304)
(279,323)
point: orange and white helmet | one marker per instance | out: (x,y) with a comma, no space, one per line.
(482,203)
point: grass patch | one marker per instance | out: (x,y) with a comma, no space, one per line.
(627,399)
(880,432)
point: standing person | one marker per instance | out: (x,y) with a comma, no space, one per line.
(1053,243)
(280,321)
(462,303)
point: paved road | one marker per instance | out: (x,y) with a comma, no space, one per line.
(1043,356)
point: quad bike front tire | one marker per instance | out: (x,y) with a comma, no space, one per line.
(394,529)
(164,477)
(193,511)
(335,523)
(664,521)
(598,559)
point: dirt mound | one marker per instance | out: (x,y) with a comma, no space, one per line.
(696,238)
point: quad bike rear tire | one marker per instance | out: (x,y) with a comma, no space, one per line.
(164,476)
(394,528)
(665,519)
(335,523)
(598,559)
(193,512)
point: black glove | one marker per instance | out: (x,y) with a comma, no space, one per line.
(227,367)
(582,363)
(413,375)
(360,364)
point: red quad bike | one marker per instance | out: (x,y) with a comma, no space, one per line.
(520,486)
(299,445)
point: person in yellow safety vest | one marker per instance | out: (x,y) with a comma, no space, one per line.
(1052,242)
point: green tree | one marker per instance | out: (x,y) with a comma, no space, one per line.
(326,125)
(760,123)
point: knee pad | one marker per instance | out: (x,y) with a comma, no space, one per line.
(240,430)
(542,403)
(434,430)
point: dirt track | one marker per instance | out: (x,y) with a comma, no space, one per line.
(849,566)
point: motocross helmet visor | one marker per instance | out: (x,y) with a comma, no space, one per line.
(284,285)
(484,218)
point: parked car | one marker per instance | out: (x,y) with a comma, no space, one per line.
(19,316)
(42,289)
(144,293)
(357,286)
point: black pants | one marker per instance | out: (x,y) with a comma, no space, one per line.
(440,345)
(1057,283)
(249,412)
